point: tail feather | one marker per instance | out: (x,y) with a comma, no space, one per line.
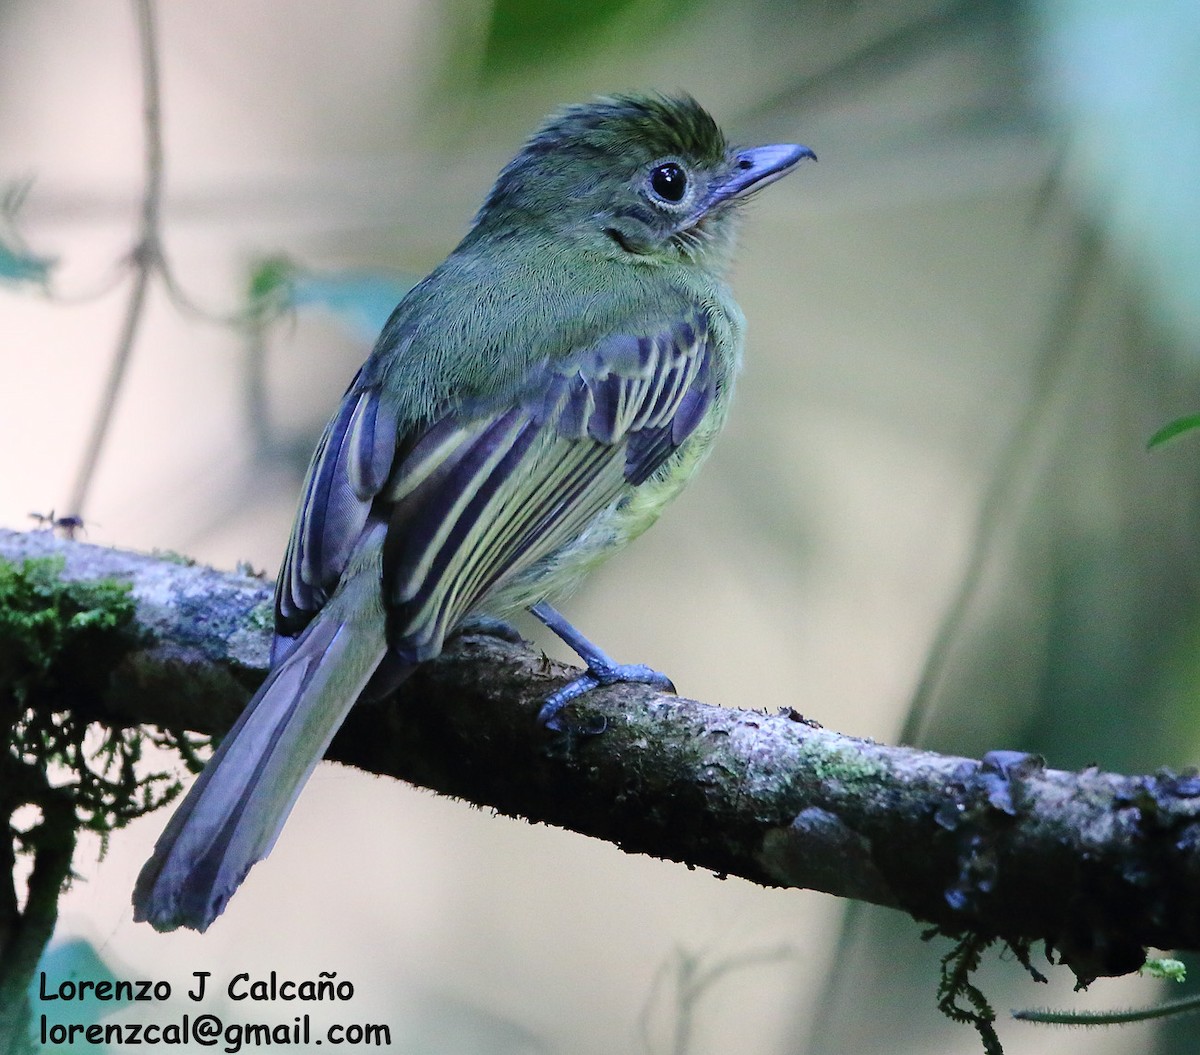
(233,813)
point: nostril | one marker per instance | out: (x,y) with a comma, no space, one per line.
(745,163)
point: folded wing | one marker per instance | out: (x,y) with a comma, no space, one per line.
(482,497)
(481,494)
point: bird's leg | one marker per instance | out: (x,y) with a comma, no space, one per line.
(602,670)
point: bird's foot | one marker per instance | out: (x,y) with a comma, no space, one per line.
(601,670)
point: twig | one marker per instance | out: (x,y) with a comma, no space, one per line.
(145,257)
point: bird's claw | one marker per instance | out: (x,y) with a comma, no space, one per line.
(601,670)
(599,674)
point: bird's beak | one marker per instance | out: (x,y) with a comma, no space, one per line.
(756,167)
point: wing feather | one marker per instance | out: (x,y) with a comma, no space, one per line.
(351,464)
(517,485)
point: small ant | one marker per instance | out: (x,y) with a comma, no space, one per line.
(68,525)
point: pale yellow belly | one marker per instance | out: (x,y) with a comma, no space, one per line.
(559,574)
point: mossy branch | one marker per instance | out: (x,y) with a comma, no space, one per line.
(1096,865)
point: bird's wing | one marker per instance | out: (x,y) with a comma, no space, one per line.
(479,498)
(481,494)
(350,466)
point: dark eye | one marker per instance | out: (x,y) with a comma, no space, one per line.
(669,182)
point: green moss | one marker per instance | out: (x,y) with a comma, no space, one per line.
(822,763)
(60,643)
(1165,967)
(171,557)
(262,616)
(50,626)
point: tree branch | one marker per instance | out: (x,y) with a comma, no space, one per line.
(1098,865)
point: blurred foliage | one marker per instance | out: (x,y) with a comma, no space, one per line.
(18,265)
(1122,77)
(361,300)
(525,32)
(1175,428)
(269,288)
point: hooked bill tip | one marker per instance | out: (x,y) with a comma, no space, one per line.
(757,167)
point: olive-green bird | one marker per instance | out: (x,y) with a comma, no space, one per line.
(530,407)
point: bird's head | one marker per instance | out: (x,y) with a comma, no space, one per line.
(640,178)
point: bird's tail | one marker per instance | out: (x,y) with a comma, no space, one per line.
(233,813)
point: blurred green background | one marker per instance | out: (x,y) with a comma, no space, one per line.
(964,324)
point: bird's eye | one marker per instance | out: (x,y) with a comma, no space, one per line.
(669,182)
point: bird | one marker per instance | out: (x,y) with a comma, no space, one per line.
(530,407)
